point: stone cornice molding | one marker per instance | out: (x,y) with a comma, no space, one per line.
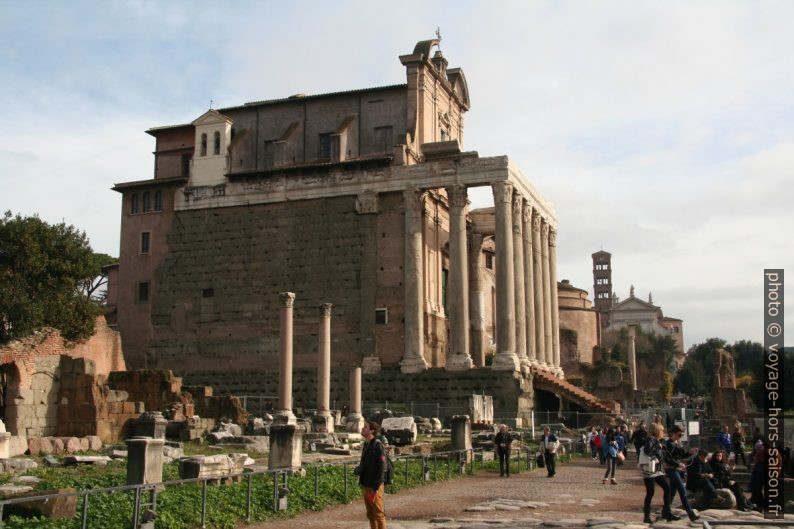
(287,298)
(325,309)
(277,186)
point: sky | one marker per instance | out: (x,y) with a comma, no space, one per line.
(663,132)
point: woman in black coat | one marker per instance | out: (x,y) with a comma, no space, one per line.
(724,479)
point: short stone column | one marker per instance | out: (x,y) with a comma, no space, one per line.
(323,421)
(529,287)
(144,460)
(150,424)
(555,310)
(458,287)
(284,413)
(537,282)
(461,432)
(632,354)
(413,357)
(506,358)
(547,340)
(355,421)
(518,275)
(286,446)
(476,301)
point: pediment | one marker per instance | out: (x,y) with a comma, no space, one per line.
(211,117)
(635,304)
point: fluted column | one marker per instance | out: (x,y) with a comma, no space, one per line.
(506,358)
(547,340)
(413,358)
(632,354)
(476,301)
(323,421)
(537,282)
(284,413)
(458,287)
(555,311)
(529,289)
(518,276)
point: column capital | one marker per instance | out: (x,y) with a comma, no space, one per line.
(552,237)
(414,199)
(458,195)
(526,211)
(544,231)
(502,192)
(287,298)
(325,309)
(536,220)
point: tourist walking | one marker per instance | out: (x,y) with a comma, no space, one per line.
(591,443)
(611,450)
(650,463)
(638,436)
(620,438)
(502,442)
(549,445)
(673,466)
(598,439)
(724,479)
(372,474)
(724,439)
(737,445)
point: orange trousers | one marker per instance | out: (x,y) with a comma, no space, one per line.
(375,513)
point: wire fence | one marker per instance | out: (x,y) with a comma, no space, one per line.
(270,490)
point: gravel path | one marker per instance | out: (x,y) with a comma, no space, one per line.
(574,498)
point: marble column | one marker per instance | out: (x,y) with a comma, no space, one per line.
(537,282)
(476,301)
(555,312)
(458,287)
(518,276)
(547,341)
(355,421)
(529,290)
(413,358)
(632,354)
(505,358)
(284,413)
(323,421)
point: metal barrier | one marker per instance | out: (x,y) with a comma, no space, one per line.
(457,462)
(708,524)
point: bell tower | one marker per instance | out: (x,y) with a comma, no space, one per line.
(602,282)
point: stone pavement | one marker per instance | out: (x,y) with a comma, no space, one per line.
(575,498)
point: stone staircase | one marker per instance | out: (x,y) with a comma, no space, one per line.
(547,381)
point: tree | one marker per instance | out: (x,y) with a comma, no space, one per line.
(47,276)
(689,380)
(91,287)
(666,388)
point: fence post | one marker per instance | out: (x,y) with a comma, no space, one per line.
(203,505)
(275,491)
(345,471)
(84,516)
(137,507)
(248,499)
(316,481)
(406,466)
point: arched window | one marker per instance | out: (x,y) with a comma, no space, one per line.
(134,207)
(203,145)
(158,201)
(146,203)
(217,147)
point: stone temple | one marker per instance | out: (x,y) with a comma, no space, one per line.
(358,199)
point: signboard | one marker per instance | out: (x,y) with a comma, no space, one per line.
(694,428)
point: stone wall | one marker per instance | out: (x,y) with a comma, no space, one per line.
(31,370)
(216,304)
(512,393)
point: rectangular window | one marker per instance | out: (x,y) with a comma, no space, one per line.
(444,280)
(325,146)
(381,316)
(186,164)
(207,292)
(147,205)
(158,201)
(143,292)
(145,238)
(489,261)
(134,204)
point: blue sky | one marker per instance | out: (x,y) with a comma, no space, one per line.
(662,131)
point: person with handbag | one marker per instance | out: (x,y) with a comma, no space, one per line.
(611,451)
(502,442)
(549,445)
(650,465)
(372,474)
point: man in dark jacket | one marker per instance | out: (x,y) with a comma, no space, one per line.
(371,475)
(502,442)
(672,461)
(700,477)
(549,444)
(638,436)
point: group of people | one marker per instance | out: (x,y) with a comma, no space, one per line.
(548,448)
(609,447)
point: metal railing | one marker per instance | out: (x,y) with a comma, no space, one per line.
(453,462)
